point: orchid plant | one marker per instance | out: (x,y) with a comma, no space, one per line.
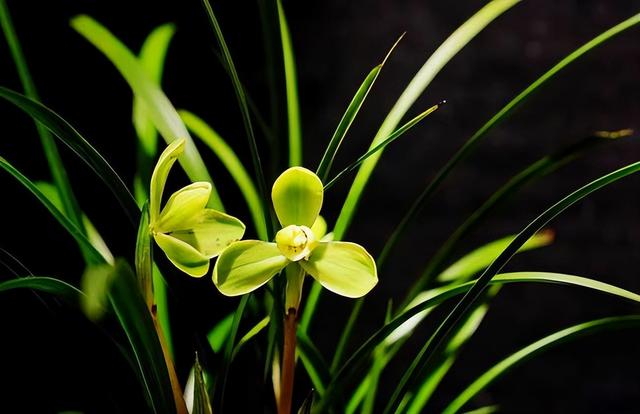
(195,233)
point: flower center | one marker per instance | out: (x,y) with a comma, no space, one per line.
(295,242)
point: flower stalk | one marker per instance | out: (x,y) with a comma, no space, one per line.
(288,361)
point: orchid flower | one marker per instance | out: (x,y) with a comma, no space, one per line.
(189,233)
(341,267)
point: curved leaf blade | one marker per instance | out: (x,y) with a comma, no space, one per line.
(502,114)
(444,330)
(361,355)
(157,105)
(93,256)
(233,165)
(538,347)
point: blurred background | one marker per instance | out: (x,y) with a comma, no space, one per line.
(51,360)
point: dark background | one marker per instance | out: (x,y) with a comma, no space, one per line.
(51,360)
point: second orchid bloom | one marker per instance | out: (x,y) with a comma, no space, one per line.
(342,267)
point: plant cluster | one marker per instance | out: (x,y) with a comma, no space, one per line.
(265,259)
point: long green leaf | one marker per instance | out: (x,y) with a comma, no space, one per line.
(464,334)
(536,170)
(471,143)
(291,83)
(43,284)
(70,137)
(361,355)
(449,48)
(395,135)
(157,105)
(135,319)
(231,162)
(257,328)
(242,102)
(542,345)
(480,258)
(58,173)
(454,43)
(349,116)
(313,362)
(466,303)
(93,256)
(51,192)
(228,351)
(345,122)
(220,332)
(152,58)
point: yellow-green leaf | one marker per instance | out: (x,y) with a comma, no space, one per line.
(246,265)
(344,268)
(297,197)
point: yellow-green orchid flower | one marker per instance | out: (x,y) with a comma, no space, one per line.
(189,233)
(344,268)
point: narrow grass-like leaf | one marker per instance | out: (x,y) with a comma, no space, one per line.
(500,116)
(219,334)
(480,258)
(93,256)
(361,355)
(152,58)
(535,171)
(444,330)
(395,135)
(313,362)
(242,102)
(433,378)
(257,328)
(447,50)
(291,83)
(542,345)
(231,162)
(157,105)
(51,192)
(228,351)
(161,300)
(347,119)
(345,122)
(67,134)
(135,319)
(44,284)
(58,173)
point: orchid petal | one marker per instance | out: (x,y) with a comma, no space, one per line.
(343,268)
(160,173)
(182,206)
(246,265)
(184,256)
(210,231)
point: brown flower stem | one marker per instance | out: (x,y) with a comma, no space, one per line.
(178,395)
(288,362)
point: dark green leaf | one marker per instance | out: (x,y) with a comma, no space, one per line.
(445,329)
(542,345)
(94,257)
(67,134)
(242,102)
(137,323)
